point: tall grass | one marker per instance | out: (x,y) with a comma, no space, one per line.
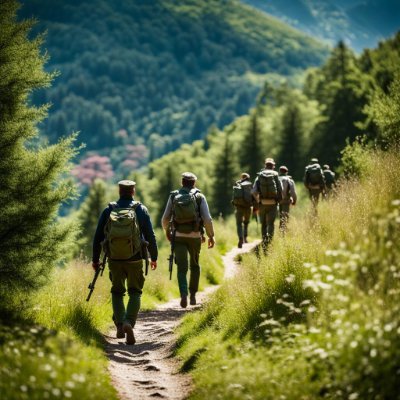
(318,316)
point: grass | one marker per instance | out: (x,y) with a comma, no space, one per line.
(318,317)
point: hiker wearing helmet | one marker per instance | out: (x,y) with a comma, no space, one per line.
(289,197)
(185,217)
(243,200)
(267,191)
(124,226)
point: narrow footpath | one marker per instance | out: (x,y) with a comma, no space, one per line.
(148,369)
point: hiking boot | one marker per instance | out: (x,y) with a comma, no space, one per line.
(120,331)
(240,244)
(192,299)
(183,301)
(130,337)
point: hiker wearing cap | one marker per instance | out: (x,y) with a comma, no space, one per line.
(289,197)
(329,176)
(243,200)
(267,191)
(185,217)
(314,181)
(123,227)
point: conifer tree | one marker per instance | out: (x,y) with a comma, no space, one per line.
(32,182)
(89,214)
(344,91)
(251,154)
(291,140)
(225,174)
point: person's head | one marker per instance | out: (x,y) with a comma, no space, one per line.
(326,166)
(126,188)
(244,176)
(314,160)
(283,170)
(188,179)
(269,163)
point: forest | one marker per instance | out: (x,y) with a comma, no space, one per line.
(313,316)
(155,73)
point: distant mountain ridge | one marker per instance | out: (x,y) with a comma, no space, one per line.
(360,23)
(158,72)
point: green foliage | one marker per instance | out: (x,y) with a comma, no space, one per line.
(318,316)
(32,183)
(161,72)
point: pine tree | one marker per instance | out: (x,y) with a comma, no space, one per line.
(344,92)
(251,155)
(32,182)
(291,140)
(89,213)
(225,173)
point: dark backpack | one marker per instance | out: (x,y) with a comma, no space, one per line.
(267,184)
(241,194)
(329,177)
(314,175)
(186,210)
(122,233)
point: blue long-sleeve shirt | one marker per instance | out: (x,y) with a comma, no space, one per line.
(146,228)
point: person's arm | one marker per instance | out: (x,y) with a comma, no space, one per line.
(99,235)
(146,227)
(293,193)
(166,218)
(256,194)
(206,217)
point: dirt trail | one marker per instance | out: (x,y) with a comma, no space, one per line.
(148,369)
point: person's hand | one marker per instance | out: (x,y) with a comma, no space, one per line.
(255,211)
(203,239)
(95,265)
(153,265)
(211,242)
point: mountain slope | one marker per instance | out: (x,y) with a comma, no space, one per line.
(159,72)
(360,23)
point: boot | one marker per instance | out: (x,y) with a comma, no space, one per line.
(240,244)
(120,331)
(192,299)
(130,337)
(183,301)
(245,239)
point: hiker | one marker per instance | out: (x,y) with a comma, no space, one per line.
(267,191)
(314,181)
(329,176)
(289,197)
(243,200)
(123,227)
(185,217)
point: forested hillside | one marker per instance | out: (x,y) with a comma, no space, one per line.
(360,23)
(158,72)
(287,123)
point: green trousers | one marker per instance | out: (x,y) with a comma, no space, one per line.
(267,215)
(187,254)
(242,215)
(126,276)
(284,209)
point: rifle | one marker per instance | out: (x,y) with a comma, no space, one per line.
(171,257)
(98,272)
(145,255)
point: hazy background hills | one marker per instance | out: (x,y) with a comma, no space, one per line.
(158,73)
(359,23)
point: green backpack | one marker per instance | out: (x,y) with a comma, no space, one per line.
(241,194)
(268,189)
(314,174)
(186,210)
(122,233)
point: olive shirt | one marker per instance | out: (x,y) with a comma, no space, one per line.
(146,229)
(204,214)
